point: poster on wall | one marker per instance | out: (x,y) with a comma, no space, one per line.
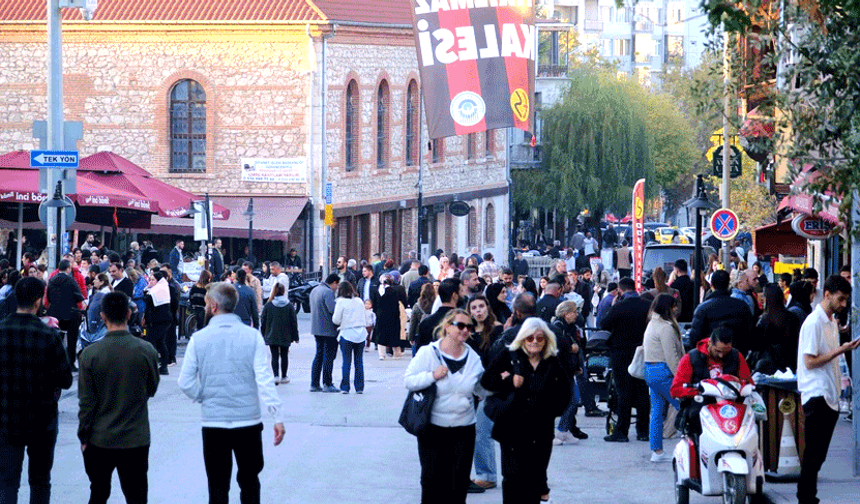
(477,64)
(278,170)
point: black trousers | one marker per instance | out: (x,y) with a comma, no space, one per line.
(72,328)
(131,465)
(156,334)
(820,421)
(632,393)
(219,447)
(445,454)
(280,354)
(524,467)
(170,343)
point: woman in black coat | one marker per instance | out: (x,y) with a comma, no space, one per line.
(280,329)
(524,427)
(387,300)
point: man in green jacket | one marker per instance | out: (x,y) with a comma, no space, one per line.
(118,375)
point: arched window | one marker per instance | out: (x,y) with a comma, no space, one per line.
(351,126)
(187,127)
(472,235)
(412,121)
(382,125)
(490,224)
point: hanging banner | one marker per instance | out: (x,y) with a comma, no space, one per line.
(638,231)
(477,64)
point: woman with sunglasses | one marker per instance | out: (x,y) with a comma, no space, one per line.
(525,428)
(445,449)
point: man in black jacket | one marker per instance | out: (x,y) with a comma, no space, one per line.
(246,308)
(626,321)
(175,294)
(449,294)
(415,287)
(367,283)
(120,281)
(684,285)
(722,310)
(158,317)
(64,294)
(547,304)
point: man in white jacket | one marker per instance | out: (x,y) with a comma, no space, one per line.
(226,368)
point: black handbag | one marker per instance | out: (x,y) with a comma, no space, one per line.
(415,415)
(498,404)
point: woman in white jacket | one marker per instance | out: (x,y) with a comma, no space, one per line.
(445,449)
(350,317)
(663,349)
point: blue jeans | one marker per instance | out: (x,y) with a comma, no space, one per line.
(659,380)
(350,351)
(485,447)
(586,393)
(323,360)
(40,452)
(568,418)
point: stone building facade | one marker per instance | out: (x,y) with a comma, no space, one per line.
(275,85)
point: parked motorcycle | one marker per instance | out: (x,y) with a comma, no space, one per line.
(726,459)
(300,292)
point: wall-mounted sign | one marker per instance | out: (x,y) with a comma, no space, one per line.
(282,170)
(813,228)
(458,208)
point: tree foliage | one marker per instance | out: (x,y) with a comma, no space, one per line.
(605,134)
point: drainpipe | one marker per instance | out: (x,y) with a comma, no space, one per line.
(326,266)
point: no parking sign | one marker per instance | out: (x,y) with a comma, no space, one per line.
(725,224)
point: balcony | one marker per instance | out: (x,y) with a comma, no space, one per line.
(524,156)
(545,71)
(593,25)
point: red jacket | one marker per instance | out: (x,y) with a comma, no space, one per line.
(684,374)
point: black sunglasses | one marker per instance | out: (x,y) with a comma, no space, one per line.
(463,325)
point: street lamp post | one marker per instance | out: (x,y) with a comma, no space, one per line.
(57,204)
(701,205)
(249,214)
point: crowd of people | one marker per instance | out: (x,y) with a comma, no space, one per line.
(503,347)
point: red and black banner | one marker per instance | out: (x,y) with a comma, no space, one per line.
(476,59)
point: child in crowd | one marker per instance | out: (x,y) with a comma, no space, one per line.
(369,322)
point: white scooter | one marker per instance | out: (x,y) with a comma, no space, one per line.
(727,460)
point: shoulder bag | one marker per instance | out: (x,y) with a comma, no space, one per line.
(636,369)
(497,405)
(415,415)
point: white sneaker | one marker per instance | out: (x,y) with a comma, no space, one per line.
(661,457)
(564,437)
(285,380)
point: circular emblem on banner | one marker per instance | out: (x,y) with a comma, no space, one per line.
(468,108)
(728,411)
(787,406)
(520,104)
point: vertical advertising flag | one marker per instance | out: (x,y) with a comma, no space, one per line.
(638,231)
(477,64)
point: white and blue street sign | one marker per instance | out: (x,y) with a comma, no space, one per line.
(328,198)
(53,159)
(725,224)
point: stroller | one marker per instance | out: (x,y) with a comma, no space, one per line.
(597,362)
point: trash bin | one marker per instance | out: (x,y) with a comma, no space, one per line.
(774,391)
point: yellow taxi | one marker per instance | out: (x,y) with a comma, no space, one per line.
(669,235)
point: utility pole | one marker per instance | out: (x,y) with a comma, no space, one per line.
(726,197)
(420,172)
(55,124)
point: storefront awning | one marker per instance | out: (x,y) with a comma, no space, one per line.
(804,203)
(274,216)
(775,239)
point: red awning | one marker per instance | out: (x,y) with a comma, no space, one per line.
(775,239)
(757,125)
(274,216)
(115,171)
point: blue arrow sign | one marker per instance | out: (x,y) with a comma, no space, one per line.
(53,159)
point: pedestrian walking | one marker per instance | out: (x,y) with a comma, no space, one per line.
(446,448)
(158,318)
(226,369)
(663,349)
(197,298)
(350,317)
(117,378)
(35,367)
(819,381)
(531,371)
(571,353)
(280,329)
(322,302)
(246,309)
(64,294)
(388,302)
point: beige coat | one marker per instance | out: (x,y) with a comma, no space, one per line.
(663,343)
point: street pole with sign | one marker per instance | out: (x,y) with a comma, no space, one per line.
(55,120)
(726,197)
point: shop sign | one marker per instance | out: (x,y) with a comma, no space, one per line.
(813,228)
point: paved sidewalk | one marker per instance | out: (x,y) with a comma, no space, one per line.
(836,483)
